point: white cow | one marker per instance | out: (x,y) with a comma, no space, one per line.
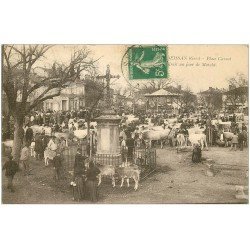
(172,120)
(155,135)
(227,136)
(130,119)
(128,172)
(196,130)
(39,129)
(198,138)
(180,140)
(80,133)
(8,143)
(106,170)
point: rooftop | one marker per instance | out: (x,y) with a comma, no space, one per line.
(161,93)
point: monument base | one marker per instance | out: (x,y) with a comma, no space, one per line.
(108,159)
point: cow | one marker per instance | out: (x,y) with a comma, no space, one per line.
(155,135)
(80,133)
(8,144)
(106,170)
(127,172)
(7,147)
(180,140)
(227,136)
(198,138)
(195,130)
(39,130)
(131,119)
(172,120)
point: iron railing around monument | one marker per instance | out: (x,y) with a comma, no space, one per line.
(143,157)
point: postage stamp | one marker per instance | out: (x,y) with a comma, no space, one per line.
(148,62)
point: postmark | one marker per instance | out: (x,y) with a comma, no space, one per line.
(147,62)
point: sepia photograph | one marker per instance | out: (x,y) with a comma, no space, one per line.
(125,124)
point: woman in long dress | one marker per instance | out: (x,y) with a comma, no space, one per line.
(91,183)
(79,170)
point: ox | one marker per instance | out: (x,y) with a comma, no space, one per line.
(80,134)
(155,135)
(7,147)
(180,140)
(39,129)
(198,138)
(106,170)
(131,171)
(131,119)
(227,136)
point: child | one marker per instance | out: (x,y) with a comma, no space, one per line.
(234,141)
(11,167)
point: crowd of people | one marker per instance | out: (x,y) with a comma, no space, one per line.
(84,178)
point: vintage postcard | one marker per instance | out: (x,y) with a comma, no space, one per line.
(131,124)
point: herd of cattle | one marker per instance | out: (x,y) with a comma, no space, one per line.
(148,132)
(171,130)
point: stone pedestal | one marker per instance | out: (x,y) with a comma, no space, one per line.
(108,148)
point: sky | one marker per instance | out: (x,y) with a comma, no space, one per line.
(195,66)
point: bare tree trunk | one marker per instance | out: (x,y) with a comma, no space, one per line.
(18,138)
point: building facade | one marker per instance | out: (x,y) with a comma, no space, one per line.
(71,98)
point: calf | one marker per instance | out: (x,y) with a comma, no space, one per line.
(131,171)
(106,170)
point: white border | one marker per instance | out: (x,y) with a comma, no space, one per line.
(124,226)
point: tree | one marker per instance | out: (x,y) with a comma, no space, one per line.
(96,90)
(152,85)
(238,90)
(26,85)
(212,100)
(187,99)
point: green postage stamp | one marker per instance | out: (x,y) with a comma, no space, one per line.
(147,62)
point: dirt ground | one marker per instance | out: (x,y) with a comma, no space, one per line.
(176,180)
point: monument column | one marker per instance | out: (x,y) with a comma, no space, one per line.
(108,146)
